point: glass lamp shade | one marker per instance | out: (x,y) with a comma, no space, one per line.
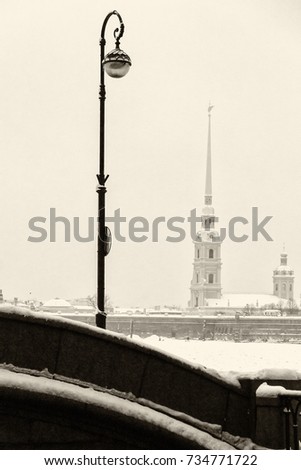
(116,63)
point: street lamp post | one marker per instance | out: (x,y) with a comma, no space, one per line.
(116,64)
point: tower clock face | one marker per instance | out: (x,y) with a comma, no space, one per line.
(213,234)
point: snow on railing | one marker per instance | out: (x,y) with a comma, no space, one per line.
(290,402)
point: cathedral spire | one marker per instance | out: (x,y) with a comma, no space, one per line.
(206,280)
(208,184)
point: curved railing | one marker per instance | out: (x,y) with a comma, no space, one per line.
(77,352)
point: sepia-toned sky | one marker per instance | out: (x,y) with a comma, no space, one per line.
(242,55)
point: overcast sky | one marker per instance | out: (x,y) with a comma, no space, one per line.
(242,55)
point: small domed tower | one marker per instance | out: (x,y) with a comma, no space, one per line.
(283,279)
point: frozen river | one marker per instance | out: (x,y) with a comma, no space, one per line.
(229,356)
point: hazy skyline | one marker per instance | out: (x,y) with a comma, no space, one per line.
(243,56)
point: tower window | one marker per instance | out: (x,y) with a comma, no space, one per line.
(198,253)
(276,287)
(197,278)
(196,301)
(207,223)
(284,286)
(210,278)
(291,287)
(211,253)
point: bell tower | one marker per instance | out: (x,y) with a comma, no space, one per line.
(206,278)
(283,279)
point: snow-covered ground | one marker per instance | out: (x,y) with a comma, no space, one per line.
(228,356)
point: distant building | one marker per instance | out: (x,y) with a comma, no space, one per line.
(283,279)
(206,279)
(84,305)
(205,288)
(57,305)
